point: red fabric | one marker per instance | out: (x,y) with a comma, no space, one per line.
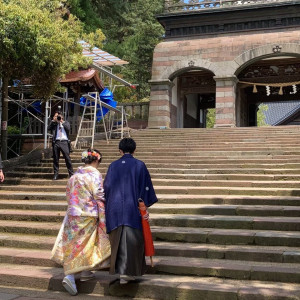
(148,241)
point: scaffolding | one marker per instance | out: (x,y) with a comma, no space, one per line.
(102,62)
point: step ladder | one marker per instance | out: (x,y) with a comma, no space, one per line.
(86,130)
(87,127)
(118,123)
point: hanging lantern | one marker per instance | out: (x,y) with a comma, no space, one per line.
(254,89)
(268,90)
(280,91)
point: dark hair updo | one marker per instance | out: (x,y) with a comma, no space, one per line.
(90,155)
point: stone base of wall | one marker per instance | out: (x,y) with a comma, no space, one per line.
(29,145)
(34,156)
(138,124)
(173,123)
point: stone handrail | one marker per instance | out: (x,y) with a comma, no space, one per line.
(191,5)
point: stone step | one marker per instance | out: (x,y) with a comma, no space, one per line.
(232,210)
(238,168)
(26,242)
(174,220)
(171,198)
(167,234)
(252,171)
(244,135)
(266,271)
(159,208)
(220,153)
(209,152)
(200,161)
(226,236)
(156,147)
(152,286)
(22,256)
(225,183)
(232,252)
(182,190)
(204,146)
(228,199)
(196,158)
(230,179)
(165,182)
(202,140)
(230,222)
(48,172)
(32,245)
(53,196)
(228,269)
(234,165)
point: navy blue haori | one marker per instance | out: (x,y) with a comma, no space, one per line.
(126,181)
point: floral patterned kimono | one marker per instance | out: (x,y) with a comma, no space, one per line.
(82,243)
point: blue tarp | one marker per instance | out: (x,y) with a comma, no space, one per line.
(35,107)
(106,96)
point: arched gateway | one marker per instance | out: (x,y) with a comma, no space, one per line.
(224,55)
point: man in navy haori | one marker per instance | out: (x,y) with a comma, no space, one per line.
(126,181)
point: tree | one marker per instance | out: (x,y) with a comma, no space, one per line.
(38,40)
(85,11)
(211,118)
(132,32)
(261,117)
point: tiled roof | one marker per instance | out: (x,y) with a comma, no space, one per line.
(101,57)
(279,111)
(83,76)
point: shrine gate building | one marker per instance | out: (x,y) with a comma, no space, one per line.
(228,55)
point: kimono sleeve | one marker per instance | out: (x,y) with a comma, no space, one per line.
(97,187)
(147,192)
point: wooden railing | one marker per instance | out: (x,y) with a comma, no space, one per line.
(191,5)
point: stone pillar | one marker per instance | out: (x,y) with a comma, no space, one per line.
(225,101)
(160,103)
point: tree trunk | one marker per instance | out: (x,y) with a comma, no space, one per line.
(4,118)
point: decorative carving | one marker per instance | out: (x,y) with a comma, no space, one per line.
(279,72)
(195,81)
(191,63)
(277,49)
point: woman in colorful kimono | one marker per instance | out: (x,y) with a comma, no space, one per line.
(82,243)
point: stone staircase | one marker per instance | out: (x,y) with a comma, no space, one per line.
(226,225)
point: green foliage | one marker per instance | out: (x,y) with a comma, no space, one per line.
(132,32)
(211,118)
(261,118)
(85,11)
(13,130)
(39,40)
